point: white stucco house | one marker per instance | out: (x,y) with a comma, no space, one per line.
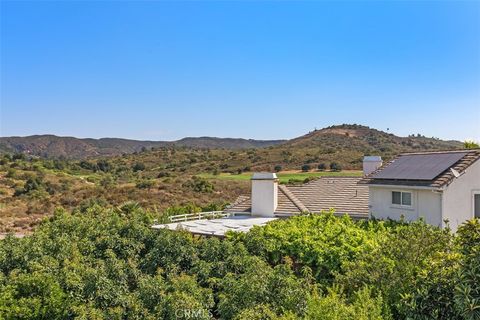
(436,186)
(440,187)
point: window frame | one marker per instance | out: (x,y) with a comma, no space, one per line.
(401,204)
(474,193)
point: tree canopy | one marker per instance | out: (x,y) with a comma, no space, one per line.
(99,263)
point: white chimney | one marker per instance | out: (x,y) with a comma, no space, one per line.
(264,194)
(371,163)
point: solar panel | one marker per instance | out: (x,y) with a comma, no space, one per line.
(419,166)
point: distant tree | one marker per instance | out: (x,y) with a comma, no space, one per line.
(322,167)
(470,144)
(335,166)
(87,165)
(138,167)
(103,165)
(277,168)
(59,165)
(306,168)
(32,184)
(18,156)
(199,184)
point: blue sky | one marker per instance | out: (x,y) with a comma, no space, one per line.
(265,70)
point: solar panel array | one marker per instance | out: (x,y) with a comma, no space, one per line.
(419,166)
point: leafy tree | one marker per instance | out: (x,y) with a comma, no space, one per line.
(322,167)
(470,144)
(33,296)
(277,168)
(400,264)
(335,306)
(103,165)
(467,290)
(31,185)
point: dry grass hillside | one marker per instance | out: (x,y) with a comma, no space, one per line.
(32,187)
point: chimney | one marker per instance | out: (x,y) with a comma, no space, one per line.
(264,194)
(371,163)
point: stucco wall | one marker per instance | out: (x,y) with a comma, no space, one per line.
(425,204)
(458,196)
(264,197)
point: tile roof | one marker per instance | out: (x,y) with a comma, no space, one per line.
(439,181)
(344,194)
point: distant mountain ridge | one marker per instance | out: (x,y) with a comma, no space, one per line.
(340,138)
(52,146)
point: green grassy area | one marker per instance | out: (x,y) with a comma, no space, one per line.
(285,176)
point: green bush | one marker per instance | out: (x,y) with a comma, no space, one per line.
(199,184)
(145,184)
(108,263)
(467,290)
(335,166)
(138,167)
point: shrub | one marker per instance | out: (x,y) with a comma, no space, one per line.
(199,184)
(145,184)
(335,166)
(138,167)
(467,289)
(335,306)
(277,168)
(18,156)
(103,165)
(322,242)
(306,168)
(322,167)
(406,268)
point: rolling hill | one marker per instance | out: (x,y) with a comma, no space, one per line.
(51,146)
(198,171)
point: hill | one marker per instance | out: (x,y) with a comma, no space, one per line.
(369,140)
(51,146)
(176,173)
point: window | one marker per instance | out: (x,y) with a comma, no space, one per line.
(476,205)
(402,198)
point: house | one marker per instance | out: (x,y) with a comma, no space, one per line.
(436,186)
(270,200)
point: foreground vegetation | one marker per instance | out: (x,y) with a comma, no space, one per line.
(104,263)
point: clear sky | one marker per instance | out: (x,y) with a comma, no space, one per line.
(265,70)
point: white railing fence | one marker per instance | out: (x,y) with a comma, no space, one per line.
(202,216)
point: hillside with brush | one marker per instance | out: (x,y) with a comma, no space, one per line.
(51,146)
(174,175)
